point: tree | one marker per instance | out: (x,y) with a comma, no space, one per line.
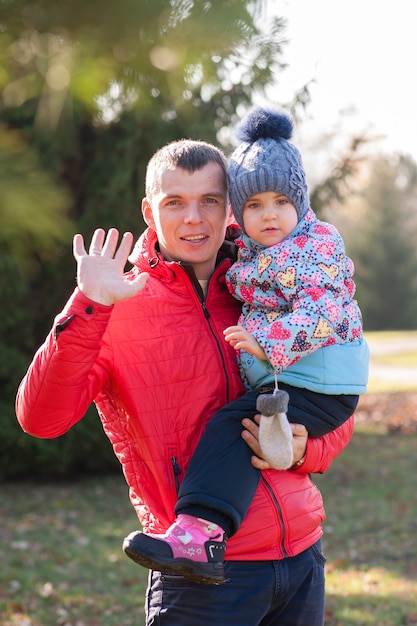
(159,69)
(89,90)
(337,184)
(93,89)
(384,246)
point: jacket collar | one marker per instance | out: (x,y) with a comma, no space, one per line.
(146,255)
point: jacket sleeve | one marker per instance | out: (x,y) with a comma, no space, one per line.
(66,373)
(322,451)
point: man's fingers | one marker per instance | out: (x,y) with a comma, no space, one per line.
(259,464)
(250,435)
(110,244)
(140,281)
(102,245)
(299,430)
(110,248)
(97,240)
(125,247)
(78,246)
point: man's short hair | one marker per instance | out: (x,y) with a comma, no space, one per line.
(187,154)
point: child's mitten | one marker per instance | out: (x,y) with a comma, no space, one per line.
(275,434)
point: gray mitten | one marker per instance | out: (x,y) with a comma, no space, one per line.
(275,434)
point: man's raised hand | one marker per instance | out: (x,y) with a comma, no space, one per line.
(100,272)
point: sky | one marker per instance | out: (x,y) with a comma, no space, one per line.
(362,56)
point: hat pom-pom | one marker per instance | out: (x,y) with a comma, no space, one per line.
(262,123)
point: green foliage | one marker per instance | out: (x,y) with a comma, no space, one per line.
(83,450)
(89,91)
(31,214)
(153,49)
(384,247)
(337,185)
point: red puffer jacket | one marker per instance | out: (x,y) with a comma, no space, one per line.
(157,367)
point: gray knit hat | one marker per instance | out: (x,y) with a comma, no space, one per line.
(266,161)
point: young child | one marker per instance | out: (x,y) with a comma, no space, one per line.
(299,325)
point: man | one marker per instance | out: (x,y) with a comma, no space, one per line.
(147,347)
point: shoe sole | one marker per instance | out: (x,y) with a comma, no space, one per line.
(191,570)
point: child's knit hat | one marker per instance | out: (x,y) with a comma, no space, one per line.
(266,161)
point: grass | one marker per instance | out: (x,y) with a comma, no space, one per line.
(61,562)
(61,558)
(369,538)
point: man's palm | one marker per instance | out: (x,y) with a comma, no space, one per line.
(100,273)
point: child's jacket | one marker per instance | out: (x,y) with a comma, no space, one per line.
(298,297)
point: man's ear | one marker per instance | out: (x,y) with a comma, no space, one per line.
(147,213)
(230,218)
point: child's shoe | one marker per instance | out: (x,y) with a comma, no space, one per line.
(191,547)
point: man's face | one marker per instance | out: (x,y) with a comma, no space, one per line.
(189,214)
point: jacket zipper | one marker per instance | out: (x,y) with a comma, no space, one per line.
(199,293)
(176,468)
(207,316)
(177,471)
(279,513)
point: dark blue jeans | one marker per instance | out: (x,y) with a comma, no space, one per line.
(289,592)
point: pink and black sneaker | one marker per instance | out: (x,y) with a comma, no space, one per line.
(192,547)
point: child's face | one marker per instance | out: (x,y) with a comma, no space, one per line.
(269,217)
